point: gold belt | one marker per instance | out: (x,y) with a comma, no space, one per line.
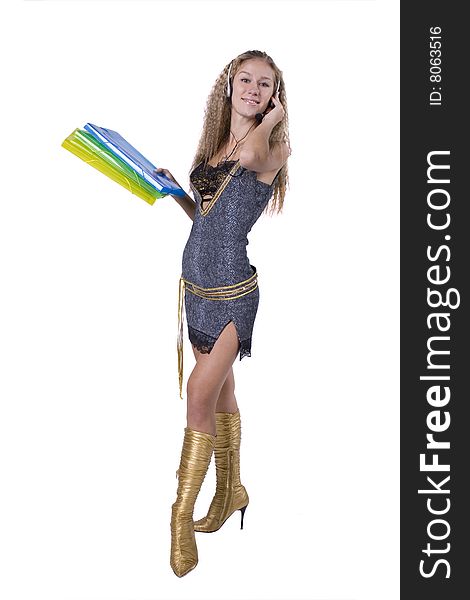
(224,292)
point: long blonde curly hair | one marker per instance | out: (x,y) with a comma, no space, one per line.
(217,116)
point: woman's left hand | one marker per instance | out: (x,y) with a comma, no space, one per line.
(276,114)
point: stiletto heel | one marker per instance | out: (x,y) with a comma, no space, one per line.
(230,494)
(242,510)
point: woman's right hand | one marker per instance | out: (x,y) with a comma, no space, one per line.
(186,202)
(167,173)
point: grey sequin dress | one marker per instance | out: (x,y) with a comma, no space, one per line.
(215,253)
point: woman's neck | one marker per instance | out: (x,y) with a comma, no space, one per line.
(240,126)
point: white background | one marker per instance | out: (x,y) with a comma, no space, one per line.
(91,421)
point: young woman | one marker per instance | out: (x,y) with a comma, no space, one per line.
(240,165)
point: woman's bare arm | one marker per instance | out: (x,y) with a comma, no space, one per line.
(256,153)
(186,202)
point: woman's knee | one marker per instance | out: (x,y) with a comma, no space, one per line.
(200,397)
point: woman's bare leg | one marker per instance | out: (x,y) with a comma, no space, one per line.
(205,384)
(227,402)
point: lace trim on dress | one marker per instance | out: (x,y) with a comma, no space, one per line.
(201,341)
(208,180)
(204,343)
(245,348)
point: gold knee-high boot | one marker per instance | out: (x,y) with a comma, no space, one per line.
(230,494)
(195,458)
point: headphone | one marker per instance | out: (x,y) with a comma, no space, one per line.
(229,87)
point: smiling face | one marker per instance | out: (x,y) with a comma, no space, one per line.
(253,86)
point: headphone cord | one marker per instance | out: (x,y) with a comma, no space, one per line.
(226,158)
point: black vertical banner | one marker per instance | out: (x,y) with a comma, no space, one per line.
(435,256)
